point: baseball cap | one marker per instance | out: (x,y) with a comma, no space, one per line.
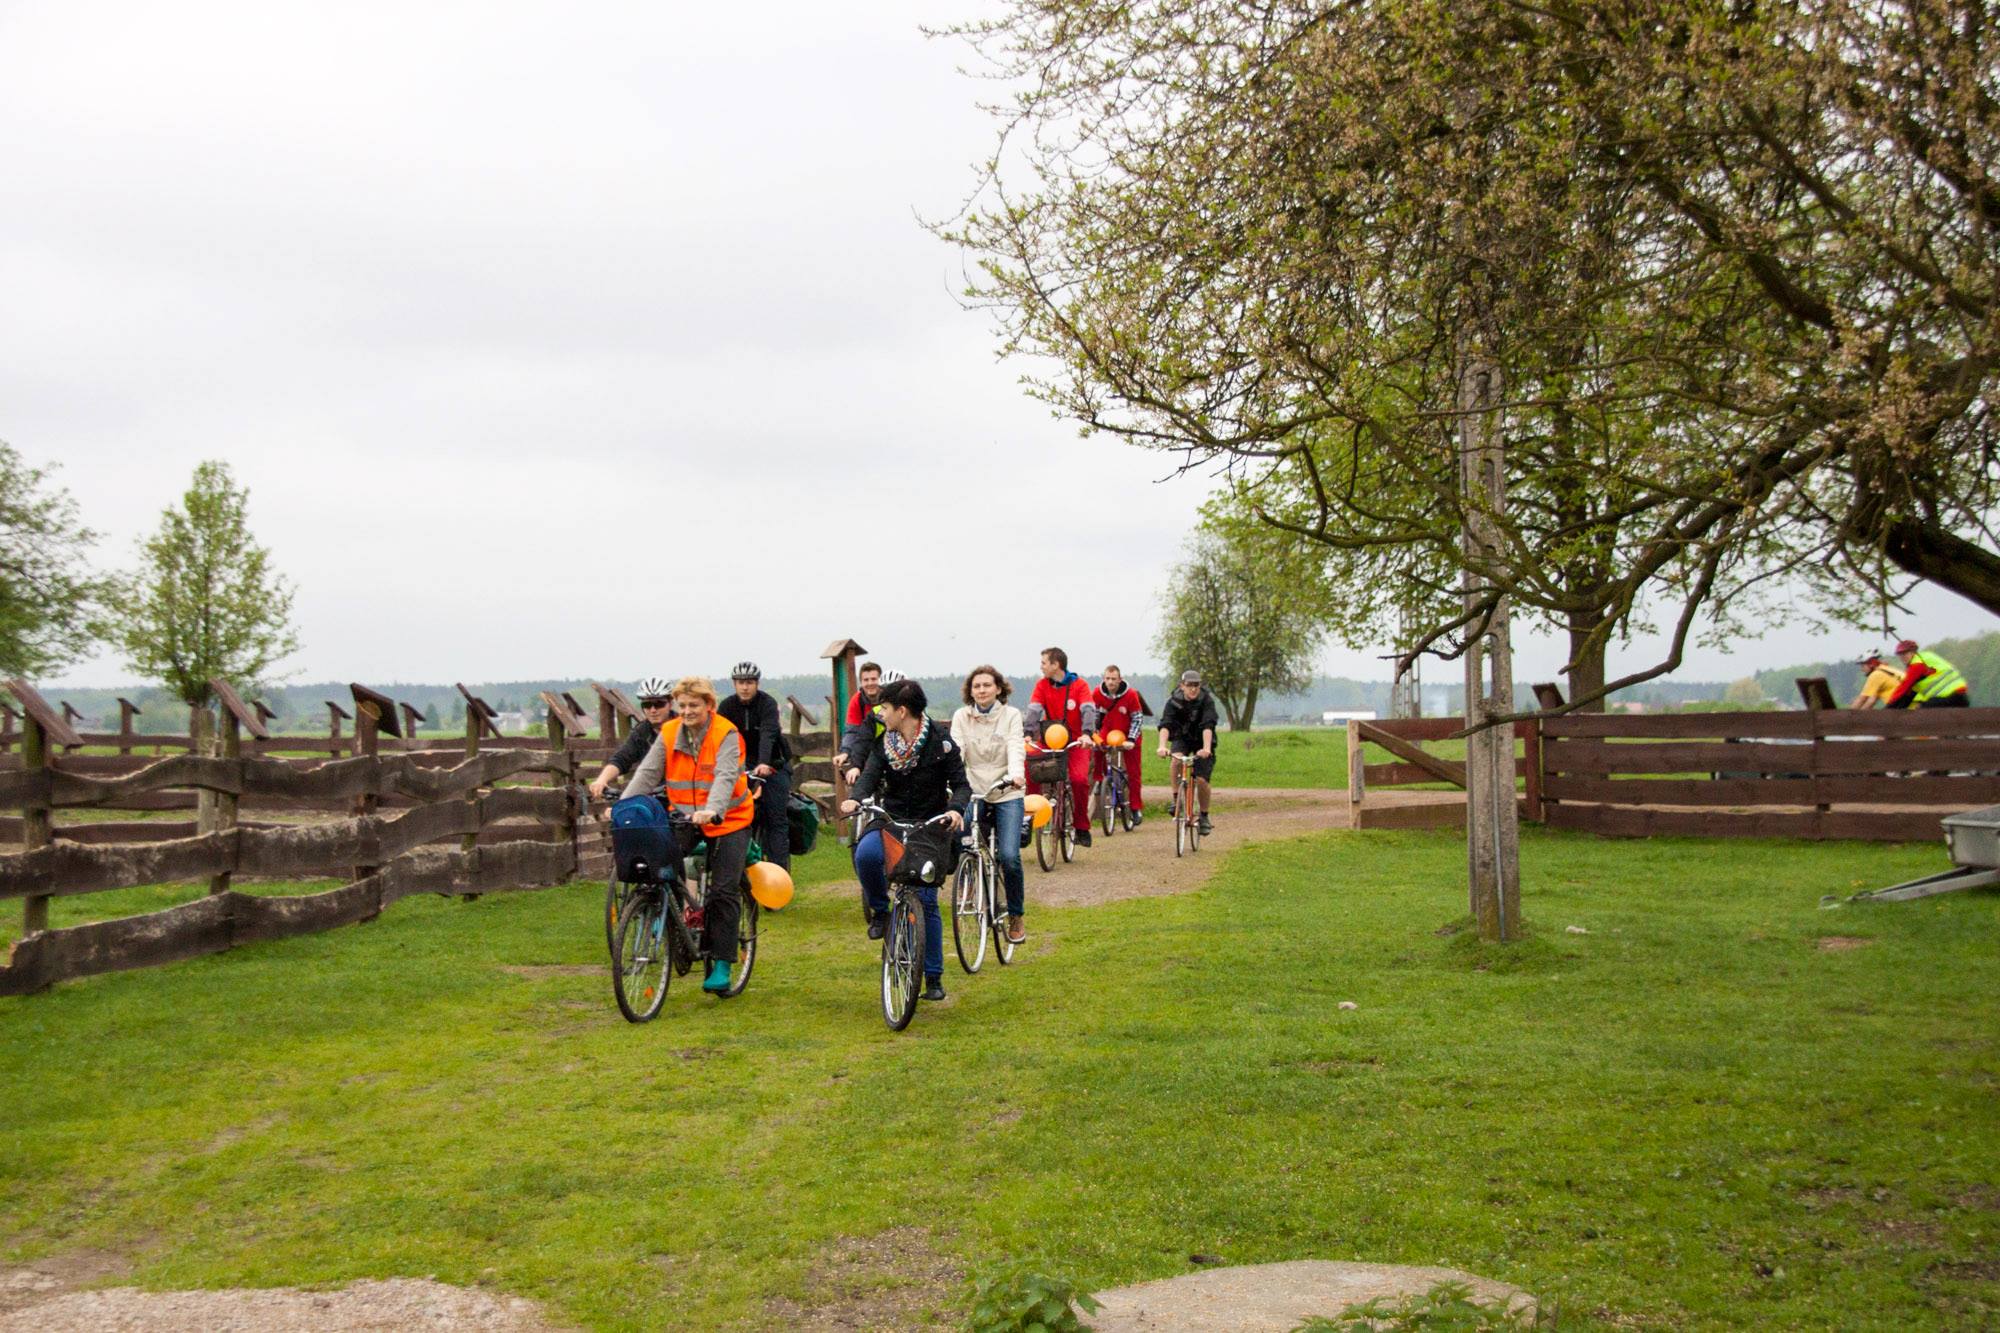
(1190,677)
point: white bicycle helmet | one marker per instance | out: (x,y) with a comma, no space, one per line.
(656,687)
(745,670)
(891,677)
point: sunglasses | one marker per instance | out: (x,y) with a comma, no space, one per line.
(654,703)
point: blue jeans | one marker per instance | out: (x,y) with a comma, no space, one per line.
(868,864)
(1006,818)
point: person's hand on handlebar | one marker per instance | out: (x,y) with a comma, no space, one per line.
(703,818)
(598,784)
(1163,755)
(849,806)
(763,770)
(957,820)
(1202,753)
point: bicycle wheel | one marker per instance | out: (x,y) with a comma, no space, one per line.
(1180,824)
(902,960)
(746,942)
(996,913)
(968,912)
(1193,820)
(1106,801)
(1045,840)
(639,969)
(1066,816)
(615,894)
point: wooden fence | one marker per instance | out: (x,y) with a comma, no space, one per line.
(1411,764)
(387,813)
(1818,774)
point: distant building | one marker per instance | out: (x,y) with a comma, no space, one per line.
(1335,717)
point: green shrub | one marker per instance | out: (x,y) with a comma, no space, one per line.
(1018,1299)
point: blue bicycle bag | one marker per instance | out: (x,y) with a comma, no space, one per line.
(644,845)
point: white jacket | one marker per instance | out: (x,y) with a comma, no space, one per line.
(994,747)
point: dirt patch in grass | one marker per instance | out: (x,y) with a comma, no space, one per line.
(1841,943)
(37,1300)
(536,971)
(891,1281)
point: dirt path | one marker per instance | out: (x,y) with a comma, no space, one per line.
(1143,865)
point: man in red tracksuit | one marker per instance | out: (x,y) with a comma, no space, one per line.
(1063,696)
(1120,707)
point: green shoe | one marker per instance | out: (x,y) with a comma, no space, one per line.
(718,976)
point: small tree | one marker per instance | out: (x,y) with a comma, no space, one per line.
(432,721)
(204,601)
(1744,693)
(49,598)
(1242,612)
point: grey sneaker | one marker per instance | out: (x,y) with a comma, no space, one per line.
(1205,827)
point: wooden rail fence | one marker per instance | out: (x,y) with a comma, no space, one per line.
(1818,774)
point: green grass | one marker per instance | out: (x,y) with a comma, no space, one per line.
(1297,757)
(1690,1116)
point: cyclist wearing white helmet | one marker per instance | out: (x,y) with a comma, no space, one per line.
(656,705)
(765,754)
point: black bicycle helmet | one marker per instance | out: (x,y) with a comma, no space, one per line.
(745,670)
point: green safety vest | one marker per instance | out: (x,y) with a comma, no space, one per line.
(1944,678)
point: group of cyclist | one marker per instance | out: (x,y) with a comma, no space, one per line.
(725,767)
(894,754)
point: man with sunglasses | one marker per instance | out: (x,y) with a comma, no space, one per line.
(656,706)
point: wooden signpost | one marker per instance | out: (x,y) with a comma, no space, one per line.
(237,718)
(842,653)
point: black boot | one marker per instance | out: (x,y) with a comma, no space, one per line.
(933,988)
(878,925)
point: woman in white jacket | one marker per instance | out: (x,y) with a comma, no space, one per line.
(988,732)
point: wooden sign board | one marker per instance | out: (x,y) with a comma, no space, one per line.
(337,711)
(53,724)
(264,711)
(239,710)
(479,708)
(1818,695)
(616,698)
(572,721)
(1549,695)
(378,706)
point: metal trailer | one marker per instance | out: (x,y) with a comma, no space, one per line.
(1973,837)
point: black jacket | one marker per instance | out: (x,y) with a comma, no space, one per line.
(1183,720)
(633,748)
(763,733)
(936,784)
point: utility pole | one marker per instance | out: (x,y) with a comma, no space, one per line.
(1492,817)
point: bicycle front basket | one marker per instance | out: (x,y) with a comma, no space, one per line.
(1047,767)
(644,845)
(928,855)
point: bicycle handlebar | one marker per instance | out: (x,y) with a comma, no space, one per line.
(872,808)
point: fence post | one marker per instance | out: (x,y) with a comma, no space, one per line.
(127,710)
(1531,757)
(470,841)
(201,741)
(560,728)
(367,731)
(37,828)
(225,802)
(1357,780)
(334,712)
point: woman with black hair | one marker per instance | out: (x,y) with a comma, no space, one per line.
(920,772)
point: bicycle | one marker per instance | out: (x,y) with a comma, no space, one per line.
(1049,769)
(903,940)
(975,889)
(652,889)
(1109,798)
(1187,809)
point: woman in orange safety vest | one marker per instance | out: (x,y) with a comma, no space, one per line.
(696,767)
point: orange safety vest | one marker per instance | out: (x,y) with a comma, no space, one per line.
(689,777)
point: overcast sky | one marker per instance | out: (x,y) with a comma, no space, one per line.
(556,340)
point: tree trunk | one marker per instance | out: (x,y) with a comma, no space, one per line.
(1586,669)
(1249,710)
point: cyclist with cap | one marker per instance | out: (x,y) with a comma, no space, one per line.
(1881,684)
(655,707)
(1928,681)
(766,755)
(1187,726)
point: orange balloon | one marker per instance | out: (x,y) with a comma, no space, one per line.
(1114,738)
(770,885)
(1039,810)
(1056,736)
